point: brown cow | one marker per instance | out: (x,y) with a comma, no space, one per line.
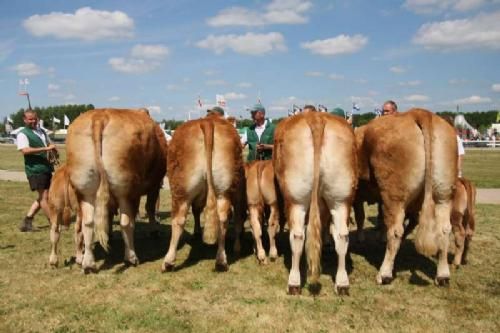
(114,153)
(328,179)
(62,201)
(262,191)
(411,160)
(463,221)
(204,165)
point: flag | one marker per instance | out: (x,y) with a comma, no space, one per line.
(66,120)
(220,100)
(322,108)
(55,120)
(355,107)
(23,93)
(9,120)
(296,109)
(378,112)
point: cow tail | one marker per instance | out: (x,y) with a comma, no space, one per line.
(471,204)
(313,238)
(211,228)
(102,195)
(426,238)
(67,205)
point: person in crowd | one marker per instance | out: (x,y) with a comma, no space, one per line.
(35,145)
(389,107)
(259,136)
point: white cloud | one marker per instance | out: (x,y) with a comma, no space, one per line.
(215,82)
(277,12)
(154,109)
(132,66)
(173,87)
(457,81)
(479,32)
(244,85)
(341,44)
(53,87)
(27,69)
(413,83)
(143,59)
(150,51)
(114,99)
(433,6)
(397,69)
(210,72)
(495,87)
(314,74)
(85,24)
(250,43)
(69,97)
(234,96)
(334,76)
(473,100)
(416,98)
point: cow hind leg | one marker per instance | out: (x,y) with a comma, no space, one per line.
(444,227)
(393,218)
(255,223)
(272,229)
(459,234)
(128,211)
(223,209)
(55,232)
(297,234)
(78,237)
(88,262)
(178,222)
(359,216)
(340,233)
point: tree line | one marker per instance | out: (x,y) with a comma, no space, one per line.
(481,120)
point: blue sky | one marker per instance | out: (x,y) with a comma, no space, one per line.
(162,55)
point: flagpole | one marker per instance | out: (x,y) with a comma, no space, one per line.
(29,102)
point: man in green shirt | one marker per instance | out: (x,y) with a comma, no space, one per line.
(33,143)
(259,136)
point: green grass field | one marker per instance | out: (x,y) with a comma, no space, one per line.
(247,298)
(482,166)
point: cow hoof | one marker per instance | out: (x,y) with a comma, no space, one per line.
(443,281)
(221,267)
(343,290)
(262,262)
(53,265)
(273,259)
(293,290)
(133,263)
(464,261)
(88,270)
(167,267)
(386,279)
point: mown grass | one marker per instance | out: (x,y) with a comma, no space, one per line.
(481,166)
(13,160)
(247,298)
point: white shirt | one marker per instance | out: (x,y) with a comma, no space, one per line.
(460,145)
(23,142)
(258,129)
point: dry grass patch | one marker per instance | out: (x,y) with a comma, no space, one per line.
(248,298)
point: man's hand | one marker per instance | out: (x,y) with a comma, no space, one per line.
(51,147)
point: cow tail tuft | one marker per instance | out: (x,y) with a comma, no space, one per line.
(313,238)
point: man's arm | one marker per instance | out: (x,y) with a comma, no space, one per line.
(31,150)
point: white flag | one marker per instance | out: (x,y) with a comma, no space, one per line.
(66,120)
(221,101)
(55,120)
(9,120)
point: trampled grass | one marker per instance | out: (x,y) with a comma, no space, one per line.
(247,298)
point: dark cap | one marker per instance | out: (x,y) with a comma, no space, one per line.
(258,107)
(216,109)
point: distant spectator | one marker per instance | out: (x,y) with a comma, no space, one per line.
(389,107)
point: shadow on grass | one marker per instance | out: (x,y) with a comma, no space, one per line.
(407,259)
